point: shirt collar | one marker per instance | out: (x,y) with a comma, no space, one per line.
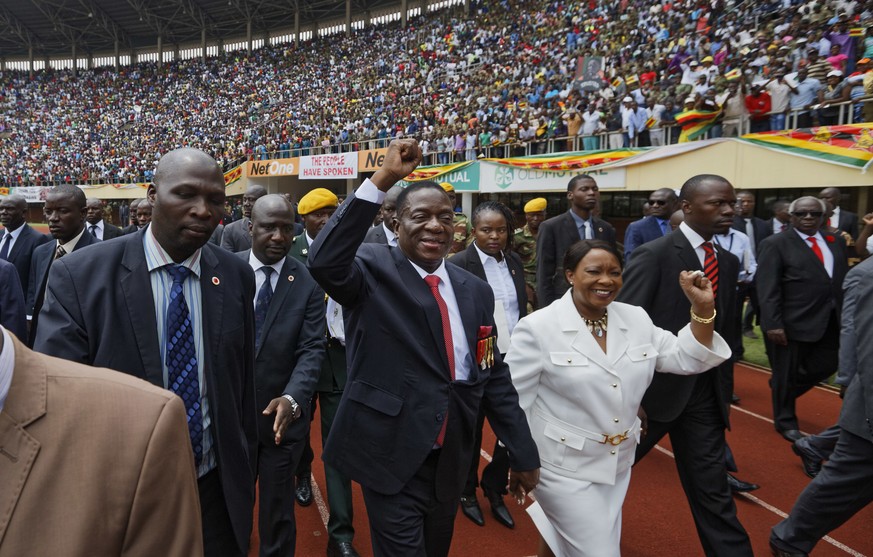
(98,224)
(440,271)
(7,366)
(157,256)
(804,236)
(579,220)
(483,257)
(695,239)
(71,245)
(308,239)
(17,232)
(257,264)
(389,234)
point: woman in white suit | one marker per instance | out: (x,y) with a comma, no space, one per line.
(581,367)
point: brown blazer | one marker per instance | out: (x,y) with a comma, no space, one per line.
(94,462)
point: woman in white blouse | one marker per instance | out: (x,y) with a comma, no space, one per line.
(581,367)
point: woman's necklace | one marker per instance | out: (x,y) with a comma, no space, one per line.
(597,326)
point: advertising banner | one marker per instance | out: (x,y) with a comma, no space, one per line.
(495,178)
(329,167)
(275,167)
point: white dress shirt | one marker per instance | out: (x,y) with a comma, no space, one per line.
(740,245)
(696,241)
(260,277)
(500,280)
(11,236)
(822,245)
(7,365)
(390,236)
(835,218)
(95,229)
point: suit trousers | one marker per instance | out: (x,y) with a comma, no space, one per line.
(340,525)
(495,476)
(797,368)
(304,466)
(698,440)
(218,536)
(821,444)
(277,527)
(842,488)
(753,310)
(413,522)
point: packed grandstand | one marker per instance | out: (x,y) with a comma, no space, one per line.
(500,79)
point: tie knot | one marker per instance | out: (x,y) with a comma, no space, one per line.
(707,248)
(268,271)
(60,252)
(432,280)
(178,272)
(812,240)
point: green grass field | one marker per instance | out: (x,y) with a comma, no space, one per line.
(754,350)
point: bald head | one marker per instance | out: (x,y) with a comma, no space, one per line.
(186,158)
(831,195)
(271,203)
(95,210)
(13,211)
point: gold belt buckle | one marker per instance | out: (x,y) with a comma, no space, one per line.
(614,440)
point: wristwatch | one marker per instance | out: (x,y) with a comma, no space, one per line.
(295,408)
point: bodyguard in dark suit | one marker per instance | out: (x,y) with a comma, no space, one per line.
(800,291)
(842,220)
(845,484)
(383,233)
(12,316)
(406,424)
(176,304)
(757,230)
(492,227)
(133,226)
(557,234)
(65,212)
(693,409)
(18,239)
(97,226)
(289,348)
(236,236)
(662,204)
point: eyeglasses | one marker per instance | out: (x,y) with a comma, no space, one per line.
(657,202)
(801,214)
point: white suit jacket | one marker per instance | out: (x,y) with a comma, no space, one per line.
(574,394)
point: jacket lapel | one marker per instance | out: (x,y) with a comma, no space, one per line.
(137,289)
(212,287)
(25,404)
(467,307)
(686,253)
(420,292)
(283,287)
(583,341)
(805,247)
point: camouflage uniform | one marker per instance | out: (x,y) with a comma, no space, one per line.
(462,236)
(524,243)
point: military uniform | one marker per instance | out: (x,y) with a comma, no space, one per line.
(524,243)
(462,237)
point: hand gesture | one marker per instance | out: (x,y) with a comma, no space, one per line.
(284,416)
(868,219)
(402,158)
(698,289)
(522,483)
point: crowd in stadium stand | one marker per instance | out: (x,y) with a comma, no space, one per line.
(499,81)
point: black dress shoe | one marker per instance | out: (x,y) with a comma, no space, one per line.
(782,553)
(750,333)
(340,549)
(303,493)
(499,510)
(811,463)
(735,398)
(739,486)
(470,508)
(791,435)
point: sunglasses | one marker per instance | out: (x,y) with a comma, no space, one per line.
(657,202)
(801,214)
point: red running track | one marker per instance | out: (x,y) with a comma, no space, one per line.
(657,521)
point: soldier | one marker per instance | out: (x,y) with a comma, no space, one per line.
(525,245)
(462,237)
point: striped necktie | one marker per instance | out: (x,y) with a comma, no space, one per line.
(710,266)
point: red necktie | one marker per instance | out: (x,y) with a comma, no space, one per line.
(815,249)
(434,282)
(710,266)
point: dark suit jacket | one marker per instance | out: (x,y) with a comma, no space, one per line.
(12,315)
(770,222)
(21,253)
(794,290)
(99,311)
(130,229)
(376,235)
(848,222)
(236,236)
(39,273)
(469,260)
(651,281)
(555,237)
(215,239)
(638,233)
(399,388)
(110,231)
(289,356)
(762,229)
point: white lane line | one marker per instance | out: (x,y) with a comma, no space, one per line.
(759,416)
(778,512)
(831,390)
(320,503)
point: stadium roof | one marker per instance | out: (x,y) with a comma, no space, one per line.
(52,27)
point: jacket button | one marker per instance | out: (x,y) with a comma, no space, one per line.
(569,361)
(645,354)
(439,418)
(611,452)
(615,420)
(563,438)
(615,385)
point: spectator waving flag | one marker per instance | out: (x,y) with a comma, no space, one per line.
(695,123)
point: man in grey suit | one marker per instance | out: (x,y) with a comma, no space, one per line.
(236,236)
(97,226)
(845,484)
(289,348)
(383,233)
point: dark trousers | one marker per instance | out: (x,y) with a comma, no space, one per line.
(304,466)
(842,488)
(495,476)
(753,310)
(797,368)
(413,522)
(277,527)
(339,487)
(821,444)
(218,536)
(698,440)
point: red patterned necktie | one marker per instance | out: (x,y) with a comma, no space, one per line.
(710,266)
(434,282)
(815,249)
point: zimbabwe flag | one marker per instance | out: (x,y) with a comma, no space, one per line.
(695,123)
